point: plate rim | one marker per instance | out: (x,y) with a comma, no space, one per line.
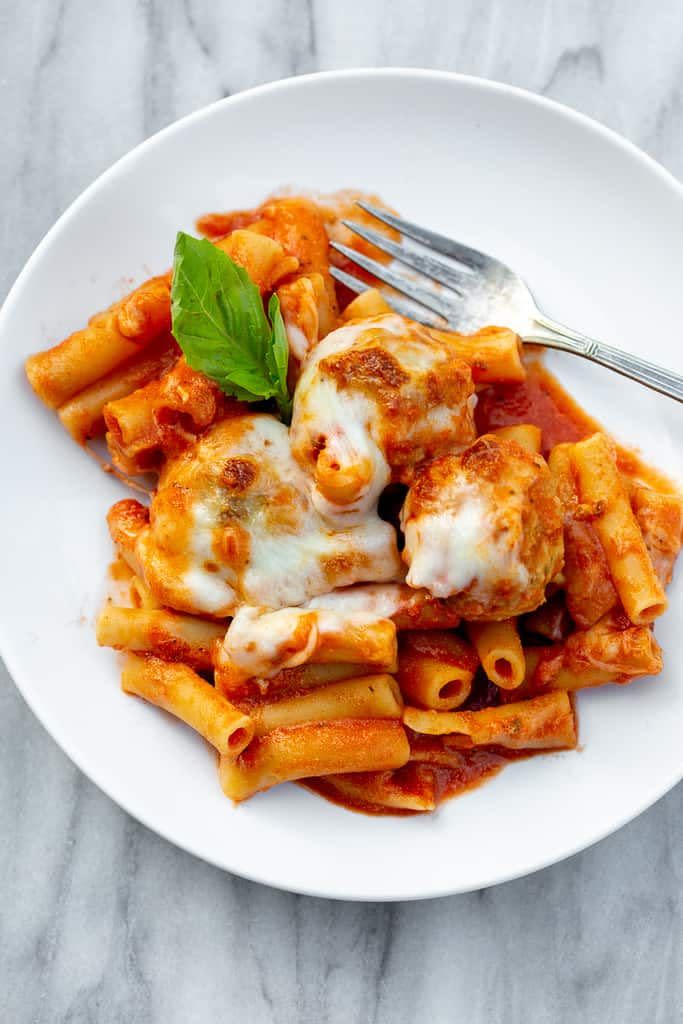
(14,296)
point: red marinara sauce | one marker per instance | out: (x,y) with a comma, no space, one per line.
(541,400)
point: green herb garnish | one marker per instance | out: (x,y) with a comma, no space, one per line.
(220,324)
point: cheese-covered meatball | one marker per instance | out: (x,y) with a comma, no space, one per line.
(375,398)
(484,527)
(232,523)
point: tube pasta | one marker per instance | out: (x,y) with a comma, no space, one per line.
(83,415)
(132,433)
(307,313)
(660,518)
(313,749)
(493,353)
(259,643)
(162,418)
(411,788)
(141,595)
(563,677)
(180,691)
(586,576)
(374,696)
(634,577)
(500,651)
(293,223)
(126,520)
(527,435)
(169,635)
(263,258)
(368,303)
(545,722)
(612,651)
(110,338)
(116,335)
(436,669)
(287,681)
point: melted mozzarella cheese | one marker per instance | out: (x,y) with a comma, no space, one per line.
(299,343)
(289,570)
(345,420)
(299,307)
(210,590)
(380,599)
(454,550)
(263,543)
(261,642)
(393,391)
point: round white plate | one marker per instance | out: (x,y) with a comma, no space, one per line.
(594,225)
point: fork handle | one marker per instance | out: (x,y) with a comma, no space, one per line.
(652,376)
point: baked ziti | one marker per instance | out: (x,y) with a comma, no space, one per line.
(376,558)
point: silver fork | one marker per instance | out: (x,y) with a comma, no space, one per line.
(473,290)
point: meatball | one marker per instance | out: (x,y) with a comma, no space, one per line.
(485,528)
(375,398)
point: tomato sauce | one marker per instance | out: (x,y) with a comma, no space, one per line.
(535,400)
(541,400)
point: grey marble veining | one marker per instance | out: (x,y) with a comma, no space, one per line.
(102,921)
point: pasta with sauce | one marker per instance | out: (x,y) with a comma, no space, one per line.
(392,596)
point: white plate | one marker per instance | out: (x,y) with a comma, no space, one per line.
(594,224)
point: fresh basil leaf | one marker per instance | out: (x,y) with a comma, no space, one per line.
(220,324)
(278,358)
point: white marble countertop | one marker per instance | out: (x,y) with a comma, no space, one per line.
(102,921)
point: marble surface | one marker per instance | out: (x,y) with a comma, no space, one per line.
(102,921)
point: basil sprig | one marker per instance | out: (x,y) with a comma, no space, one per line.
(220,324)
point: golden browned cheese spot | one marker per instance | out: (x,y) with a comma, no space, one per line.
(435,391)
(414,390)
(238,474)
(428,486)
(178,500)
(283,511)
(488,456)
(336,565)
(371,369)
(232,544)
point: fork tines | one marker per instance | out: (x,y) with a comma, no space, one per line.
(439,273)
